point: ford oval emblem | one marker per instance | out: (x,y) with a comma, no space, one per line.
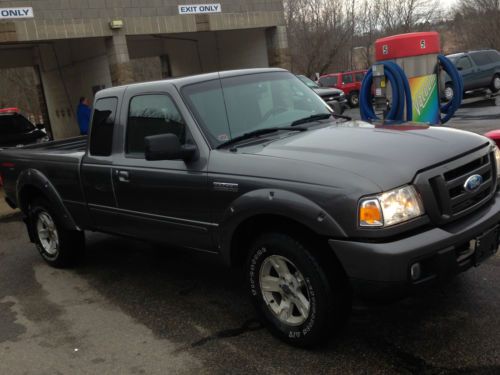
(473,183)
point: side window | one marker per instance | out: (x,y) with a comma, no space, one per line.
(480,58)
(493,56)
(328,81)
(103,121)
(347,78)
(359,76)
(152,114)
(464,63)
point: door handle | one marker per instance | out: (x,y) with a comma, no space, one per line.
(123,176)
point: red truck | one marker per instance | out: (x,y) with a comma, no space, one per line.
(349,82)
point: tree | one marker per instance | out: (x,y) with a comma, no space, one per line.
(319,32)
(478,24)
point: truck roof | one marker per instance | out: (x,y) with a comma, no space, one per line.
(183,81)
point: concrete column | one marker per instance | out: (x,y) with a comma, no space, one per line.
(119,60)
(277,47)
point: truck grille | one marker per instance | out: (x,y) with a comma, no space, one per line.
(448,199)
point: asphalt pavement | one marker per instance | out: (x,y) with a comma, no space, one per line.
(135,308)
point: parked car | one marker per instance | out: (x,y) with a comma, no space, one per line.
(252,167)
(17,130)
(335,98)
(348,82)
(479,70)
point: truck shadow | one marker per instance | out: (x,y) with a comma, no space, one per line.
(194,301)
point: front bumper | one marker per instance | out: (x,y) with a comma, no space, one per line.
(383,269)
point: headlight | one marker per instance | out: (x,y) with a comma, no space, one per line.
(497,160)
(390,208)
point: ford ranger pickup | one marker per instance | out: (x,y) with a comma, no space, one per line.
(253,167)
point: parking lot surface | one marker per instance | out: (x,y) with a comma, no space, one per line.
(134,308)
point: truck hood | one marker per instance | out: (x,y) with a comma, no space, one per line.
(389,156)
(324,91)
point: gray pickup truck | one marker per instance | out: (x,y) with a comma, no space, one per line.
(253,167)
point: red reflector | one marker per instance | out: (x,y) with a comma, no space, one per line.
(7,164)
(8,110)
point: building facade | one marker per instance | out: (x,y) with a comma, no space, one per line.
(80,46)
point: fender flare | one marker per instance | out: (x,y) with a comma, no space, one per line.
(36,179)
(274,202)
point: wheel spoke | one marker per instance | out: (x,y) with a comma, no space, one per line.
(299,278)
(280,266)
(302,304)
(286,309)
(43,233)
(270,284)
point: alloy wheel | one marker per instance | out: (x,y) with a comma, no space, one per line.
(284,290)
(47,233)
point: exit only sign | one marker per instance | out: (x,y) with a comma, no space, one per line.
(200,8)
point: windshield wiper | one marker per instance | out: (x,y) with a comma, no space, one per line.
(258,132)
(322,116)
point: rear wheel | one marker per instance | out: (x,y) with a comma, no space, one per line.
(354,99)
(495,83)
(58,246)
(291,291)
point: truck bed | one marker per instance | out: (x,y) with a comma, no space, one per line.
(64,150)
(59,161)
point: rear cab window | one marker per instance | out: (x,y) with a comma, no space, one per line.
(103,121)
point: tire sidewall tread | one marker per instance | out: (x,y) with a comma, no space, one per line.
(71,242)
(316,329)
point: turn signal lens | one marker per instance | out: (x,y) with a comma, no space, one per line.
(370,213)
(390,208)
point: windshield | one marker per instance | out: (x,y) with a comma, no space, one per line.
(308,82)
(454,58)
(230,107)
(14,124)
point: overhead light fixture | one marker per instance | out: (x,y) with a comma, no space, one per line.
(116,24)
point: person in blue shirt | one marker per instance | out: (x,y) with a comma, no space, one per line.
(83,115)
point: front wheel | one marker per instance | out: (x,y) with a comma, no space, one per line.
(291,291)
(354,99)
(449,93)
(58,246)
(495,84)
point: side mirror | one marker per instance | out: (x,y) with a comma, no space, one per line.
(167,147)
(40,126)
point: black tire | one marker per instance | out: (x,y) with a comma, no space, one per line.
(495,83)
(70,244)
(327,300)
(353,99)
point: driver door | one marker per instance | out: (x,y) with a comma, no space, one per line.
(166,200)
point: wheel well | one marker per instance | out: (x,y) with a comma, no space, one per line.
(27,195)
(249,229)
